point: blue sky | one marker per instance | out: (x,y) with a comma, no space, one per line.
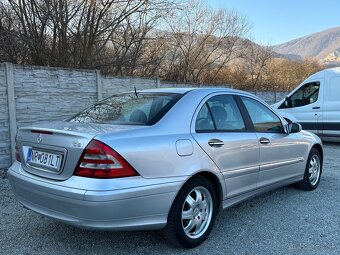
(278,21)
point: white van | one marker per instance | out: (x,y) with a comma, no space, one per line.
(315,104)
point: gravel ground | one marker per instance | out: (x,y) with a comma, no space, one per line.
(285,221)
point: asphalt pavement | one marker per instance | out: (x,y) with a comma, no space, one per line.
(284,221)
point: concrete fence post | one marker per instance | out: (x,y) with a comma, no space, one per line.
(99,85)
(12,116)
(158,82)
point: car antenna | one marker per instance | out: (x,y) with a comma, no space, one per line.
(136,91)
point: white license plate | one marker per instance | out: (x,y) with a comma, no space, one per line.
(44,159)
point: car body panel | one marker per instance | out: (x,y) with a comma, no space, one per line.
(110,206)
(282,158)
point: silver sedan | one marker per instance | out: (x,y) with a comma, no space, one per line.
(161,159)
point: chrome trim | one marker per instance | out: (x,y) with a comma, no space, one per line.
(270,166)
(100,166)
(240,171)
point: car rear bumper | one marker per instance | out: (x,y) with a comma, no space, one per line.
(138,208)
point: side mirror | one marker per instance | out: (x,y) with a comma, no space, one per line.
(294,128)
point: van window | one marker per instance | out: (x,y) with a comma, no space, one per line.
(305,95)
(334,89)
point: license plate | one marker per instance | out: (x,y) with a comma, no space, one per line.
(44,159)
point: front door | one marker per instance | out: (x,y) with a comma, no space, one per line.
(281,154)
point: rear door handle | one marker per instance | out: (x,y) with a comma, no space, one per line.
(316,107)
(215,143)
(264,140)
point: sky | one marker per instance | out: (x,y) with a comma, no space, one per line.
(278,21)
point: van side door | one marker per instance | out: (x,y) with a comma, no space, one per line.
(331,107)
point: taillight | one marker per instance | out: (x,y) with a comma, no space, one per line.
(100,161)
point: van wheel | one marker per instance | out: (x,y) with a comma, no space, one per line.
(192,214)
(313,171)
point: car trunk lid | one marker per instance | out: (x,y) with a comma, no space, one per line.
(53,150)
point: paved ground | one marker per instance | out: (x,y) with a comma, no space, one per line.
(285,221)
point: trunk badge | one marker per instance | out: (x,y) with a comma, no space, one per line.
(39,138)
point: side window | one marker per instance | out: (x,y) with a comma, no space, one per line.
(204,120)
(305,95)
(225,113)
(264,120)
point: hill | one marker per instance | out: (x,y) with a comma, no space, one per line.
(324,46)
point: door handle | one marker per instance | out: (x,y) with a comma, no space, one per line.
(316,107)
(215,143)
(264,140)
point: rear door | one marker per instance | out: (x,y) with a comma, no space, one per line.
(281,154)
(221,131)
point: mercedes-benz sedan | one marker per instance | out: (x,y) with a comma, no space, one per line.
(161,159)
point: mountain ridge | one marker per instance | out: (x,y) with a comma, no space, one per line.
(323,46)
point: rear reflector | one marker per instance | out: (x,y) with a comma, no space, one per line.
(100,161)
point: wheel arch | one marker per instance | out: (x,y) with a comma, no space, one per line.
(319,148)
(214,180)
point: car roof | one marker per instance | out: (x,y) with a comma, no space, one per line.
(206,90)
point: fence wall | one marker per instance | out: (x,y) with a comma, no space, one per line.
(30,94)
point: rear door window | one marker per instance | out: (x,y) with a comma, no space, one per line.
(220,113)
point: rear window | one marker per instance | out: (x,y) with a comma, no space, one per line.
(129,109)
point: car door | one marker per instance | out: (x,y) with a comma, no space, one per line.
(305,104)
(281,154)
(219,129)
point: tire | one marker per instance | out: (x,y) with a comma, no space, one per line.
(313,171)
(201,214)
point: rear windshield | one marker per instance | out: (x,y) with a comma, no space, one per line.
(129,109)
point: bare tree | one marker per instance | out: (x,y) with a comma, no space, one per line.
(202,39)
(256,62)
(78,32)
(11,48)
(175,40)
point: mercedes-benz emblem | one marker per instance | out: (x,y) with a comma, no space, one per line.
(39,138)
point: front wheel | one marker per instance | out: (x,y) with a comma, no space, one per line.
(192,214)
(313,171)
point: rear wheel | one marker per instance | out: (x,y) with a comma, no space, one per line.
(192,214)
(312,172)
